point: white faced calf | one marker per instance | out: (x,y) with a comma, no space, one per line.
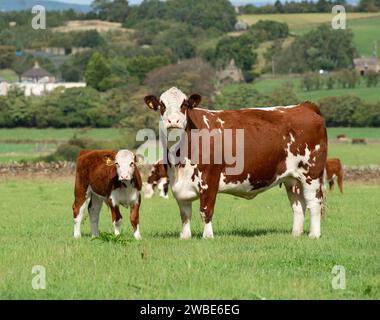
(111,177)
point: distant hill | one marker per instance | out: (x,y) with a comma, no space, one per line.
(16,5)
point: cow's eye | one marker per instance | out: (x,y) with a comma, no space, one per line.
(117,165)
(132,164)
(162,108)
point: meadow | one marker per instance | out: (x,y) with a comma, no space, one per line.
(22,144)
(269,84)
(365,26)
(253,255)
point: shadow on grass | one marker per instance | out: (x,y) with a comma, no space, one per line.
(240,232)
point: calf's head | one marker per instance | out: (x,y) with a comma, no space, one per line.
(125,163)
(173,105)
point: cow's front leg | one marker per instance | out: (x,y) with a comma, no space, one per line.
(134,217)
(116,219)
(185,210)
(207,203)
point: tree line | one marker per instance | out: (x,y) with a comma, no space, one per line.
(320,6)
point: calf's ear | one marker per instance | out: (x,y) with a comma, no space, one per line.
(139,158)
(109,160)
(152,102)
(194,101)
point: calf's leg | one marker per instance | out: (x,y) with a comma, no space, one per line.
(79,207)
(340,180)
(116,219)
(134,217)
(331,184)
(94,208)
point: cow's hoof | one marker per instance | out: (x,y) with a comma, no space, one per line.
(208,236)
(137,235)
(314,235)
(77,236)
(185,236)
(297,233)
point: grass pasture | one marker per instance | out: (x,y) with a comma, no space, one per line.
(27,144)
(268,85)
(365,26)
(252,257)
(304,20)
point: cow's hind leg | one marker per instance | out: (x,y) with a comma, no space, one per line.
(185,211)
(313,192)
(94,208)
(298,204)
(340,180)
(331,184)
(79,206)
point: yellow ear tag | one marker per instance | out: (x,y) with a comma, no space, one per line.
(151,105)
(109,162)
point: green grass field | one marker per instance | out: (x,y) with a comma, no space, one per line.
(57,134)
(351,155)
(365,26)
(268,85)
(298,21)
(253,255)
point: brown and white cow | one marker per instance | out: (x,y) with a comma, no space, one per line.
(334,170)
(111,177)
(157,178)
(281,145)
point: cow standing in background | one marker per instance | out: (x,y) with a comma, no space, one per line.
(281,145)
(334,170)
(157,178)
(111,177)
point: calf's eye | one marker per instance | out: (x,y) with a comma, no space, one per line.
(132,164)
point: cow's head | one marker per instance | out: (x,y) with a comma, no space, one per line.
(173,105)
(125,163)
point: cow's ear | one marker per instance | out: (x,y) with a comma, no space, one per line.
(109,160)
(194,101)
(139,158)
(152,102)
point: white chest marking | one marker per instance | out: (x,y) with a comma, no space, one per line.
(181,181)
(125,196)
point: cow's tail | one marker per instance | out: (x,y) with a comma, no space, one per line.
(324,192)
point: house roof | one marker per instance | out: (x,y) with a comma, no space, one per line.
(36,72)
(370,61)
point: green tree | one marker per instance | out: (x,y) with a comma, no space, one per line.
(238,48)
(97,69)
(7,56)
(116,10)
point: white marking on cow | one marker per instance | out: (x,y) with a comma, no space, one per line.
(160,186)
(78,220)
(221,122)
(137,234)
(123,159)
(126,196)
(117,226)
(181,181)
(317,147)
(277,108)
(207,232)
(205,120)
(148,190)
(186,231)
